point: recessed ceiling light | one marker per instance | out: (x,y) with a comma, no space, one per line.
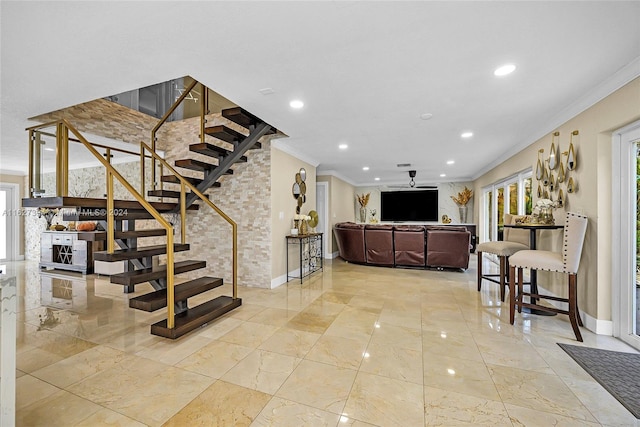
(266,91)
(450,162)
(376,178)
(442,175)
(504,70)
(49,149)
(426,116)
(466,134)
(296,103)
(343,146)
(366,168)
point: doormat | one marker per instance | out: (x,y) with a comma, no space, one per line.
(616,371)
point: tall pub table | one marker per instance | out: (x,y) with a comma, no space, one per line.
(533,276)
(310,251)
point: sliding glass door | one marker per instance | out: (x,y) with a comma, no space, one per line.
(511,195)
(625,232)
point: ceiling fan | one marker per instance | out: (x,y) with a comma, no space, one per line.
(412,183)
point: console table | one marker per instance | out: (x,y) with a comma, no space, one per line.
(68,250)
(310,250)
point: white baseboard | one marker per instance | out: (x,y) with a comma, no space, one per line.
(332,255)
(597,326)
(281,280)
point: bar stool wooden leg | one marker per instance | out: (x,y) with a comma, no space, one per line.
(573,306)
(479,270)
(503,274)
(520,289)
(512,294)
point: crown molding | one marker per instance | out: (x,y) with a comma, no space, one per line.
(337,175)
(285,147)
(623,76)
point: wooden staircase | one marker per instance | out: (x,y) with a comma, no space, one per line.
(224,159)
(141,266)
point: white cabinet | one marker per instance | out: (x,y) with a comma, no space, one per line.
(64,250)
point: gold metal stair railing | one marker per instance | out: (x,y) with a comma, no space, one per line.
(62,174)
(204,105)
(183,211)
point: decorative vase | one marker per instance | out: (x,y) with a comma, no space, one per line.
(546,216)
(463,210)
(363,214)
(302,227)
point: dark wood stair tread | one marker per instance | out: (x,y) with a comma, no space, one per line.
(169,194)
(224,133)
(158,299)
(134,277)
(195,317)
(137,253)
(132,234)
(212,150)
(174,179)
(199,166)
(244,118)
(91,204)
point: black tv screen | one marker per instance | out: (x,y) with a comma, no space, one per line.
(414,205)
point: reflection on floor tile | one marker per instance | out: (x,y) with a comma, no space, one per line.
(222,404)
(355,346)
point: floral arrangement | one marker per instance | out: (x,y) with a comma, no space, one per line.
(363,199)
(463,197)
(48,214)
(544,204)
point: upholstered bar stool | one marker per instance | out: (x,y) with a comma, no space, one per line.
(567,261)
(513,241)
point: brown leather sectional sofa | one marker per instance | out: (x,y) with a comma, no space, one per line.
(404,245)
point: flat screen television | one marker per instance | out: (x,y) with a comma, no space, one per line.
(413,205)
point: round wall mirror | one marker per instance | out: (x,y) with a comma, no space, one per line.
(295,190)
(303,174)
(303,188)
(300,201)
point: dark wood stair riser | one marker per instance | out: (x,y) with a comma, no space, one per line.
(199,166)
(212,151)
(243,118)
(174,180)
(158,299)
(167,194)
(144,275)
(224,133)
(195,317)
(137,253)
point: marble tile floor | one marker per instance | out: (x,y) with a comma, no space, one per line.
(352,346)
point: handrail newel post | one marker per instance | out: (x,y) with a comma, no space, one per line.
(32,143)
(234,227)
(183,213)
(142,170)
(170,288)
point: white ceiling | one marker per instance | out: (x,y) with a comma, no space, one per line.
(365,70)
